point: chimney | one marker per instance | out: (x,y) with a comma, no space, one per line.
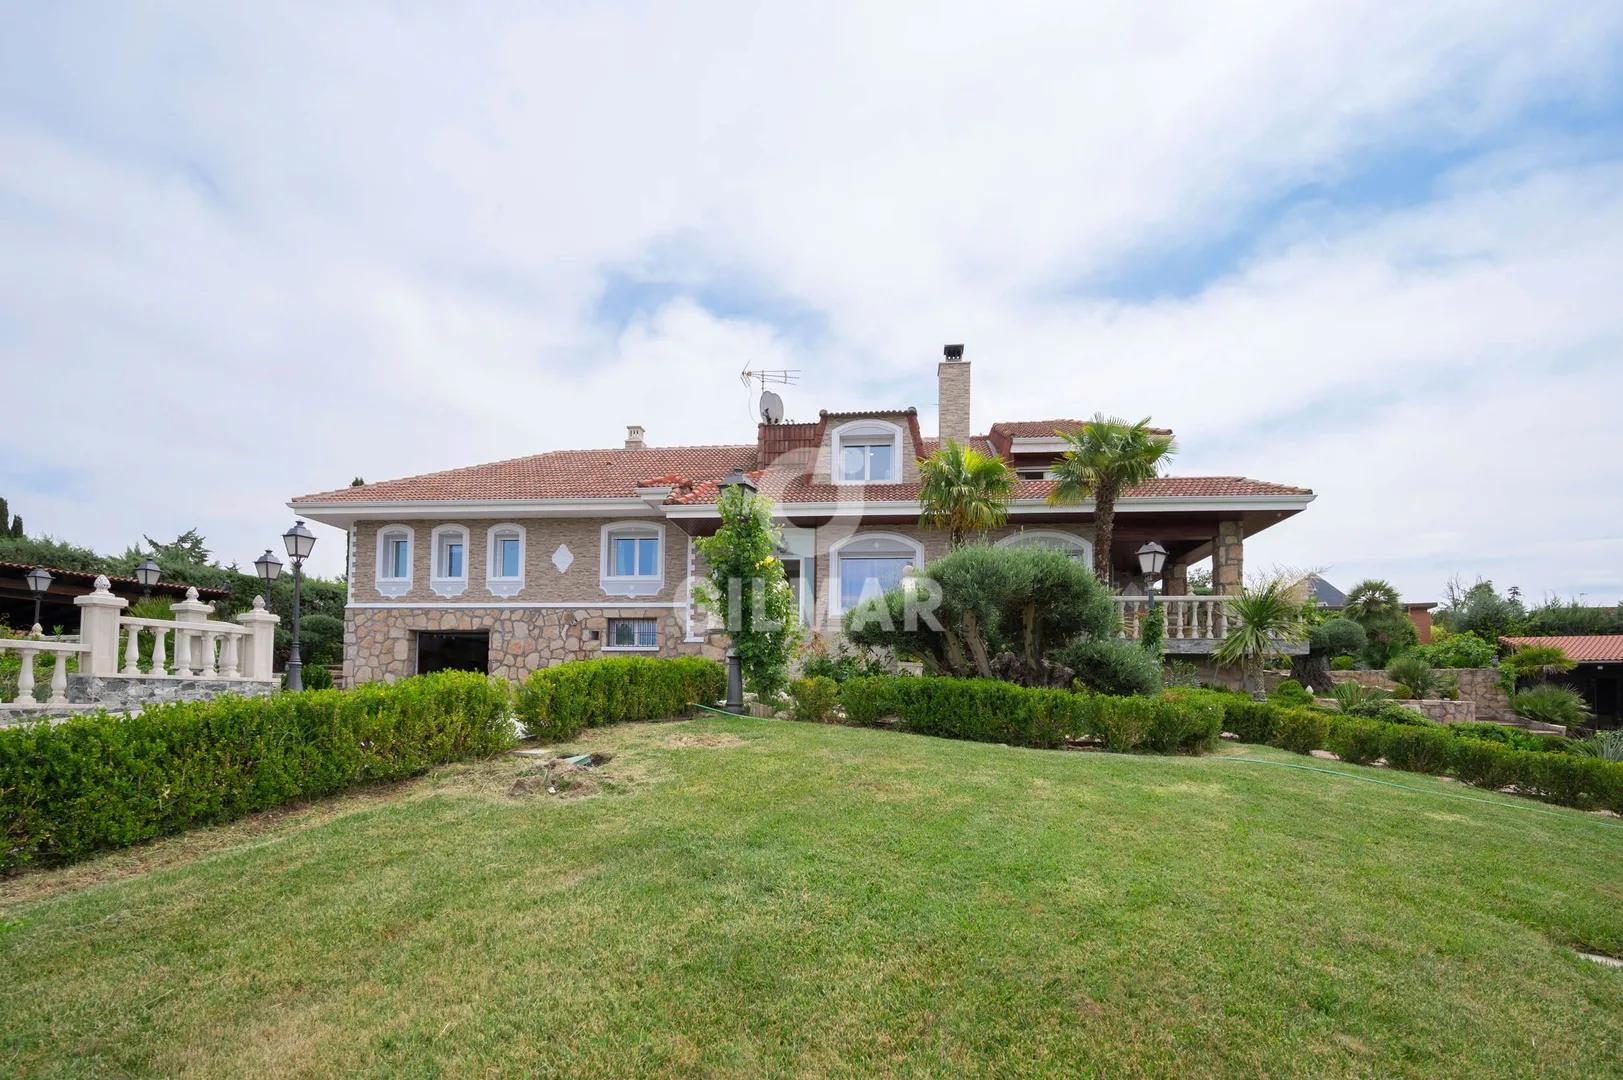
(952,378)
(634,434)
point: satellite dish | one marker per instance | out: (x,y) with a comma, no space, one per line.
(771,407)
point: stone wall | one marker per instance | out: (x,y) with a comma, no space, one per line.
(380,644)
(1480,686)
(121,693)
(1228,558)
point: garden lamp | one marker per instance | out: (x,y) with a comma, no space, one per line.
(147,574)
(300,542)
(1151,557)
(737,478)
(39,579)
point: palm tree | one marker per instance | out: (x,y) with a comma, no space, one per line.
(1262,618)
(1106,456)
(964,491)
(1370,599)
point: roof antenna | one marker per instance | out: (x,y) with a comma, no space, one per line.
(766,403)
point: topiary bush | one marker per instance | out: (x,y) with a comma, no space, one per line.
(1357,741)
(1427,749)
(1112,666)
(1289,692)
(555,703)
(99,781)
(814,699)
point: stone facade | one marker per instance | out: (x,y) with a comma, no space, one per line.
(380,644)
(1228,558)
(121,693)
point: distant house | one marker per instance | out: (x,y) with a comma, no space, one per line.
(1330,598)
(1599,674)
(57,607)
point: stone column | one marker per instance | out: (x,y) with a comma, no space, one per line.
(1228,558)
(257,663)
(189,643)
(1175,579)
(98,628)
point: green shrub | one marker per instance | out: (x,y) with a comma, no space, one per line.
(1411,671)
(1343,663)
(1427,749)
(1184,725)
(814,699)
(1547,704)
(1124,722)
(1456,651)
(99,781)
(1606,745)
(1250,720)
(1289,692)
(1336,637)
(1300,730)
(1112,666)
(1351,696)
(1513,737)
(1355,740)
(315,676)
(556,703)
(842,662)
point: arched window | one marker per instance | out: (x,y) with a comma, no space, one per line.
(867,452)
(1076,547)
(633,561)
(394,560)
(504,559)
(449,573)
(869,564)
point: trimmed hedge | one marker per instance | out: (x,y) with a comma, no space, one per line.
(814,698)
(986,710)
(102,781)
(557,702)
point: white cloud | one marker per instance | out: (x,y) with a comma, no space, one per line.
(263,251)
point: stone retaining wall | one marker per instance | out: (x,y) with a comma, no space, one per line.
(122,693)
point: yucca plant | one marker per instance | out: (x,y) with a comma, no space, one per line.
(1606,745)
(964,491)
(1262,618)
(1106,456)
(1546,704)
(1351,696)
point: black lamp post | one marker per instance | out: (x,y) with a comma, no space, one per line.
(39,579)
(1151,558)
(735,667)
(147,574)
(299,541)
(269,568)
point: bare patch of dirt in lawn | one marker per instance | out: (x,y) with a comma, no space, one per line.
(709,739)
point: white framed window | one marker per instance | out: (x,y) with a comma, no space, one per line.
(394,560)
(867,565)
(448,575)
(633,559)
(632,635)
(1077,547)
(504,559)
(867,452)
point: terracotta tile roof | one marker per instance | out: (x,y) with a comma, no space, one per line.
(167,588)
(800,489)
(1590,649)
(560,474)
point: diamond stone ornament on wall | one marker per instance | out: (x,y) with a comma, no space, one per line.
(563,558)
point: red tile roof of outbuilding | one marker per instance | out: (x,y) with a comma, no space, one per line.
(1586,649)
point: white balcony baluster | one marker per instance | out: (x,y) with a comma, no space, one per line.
(132,650)
(25,677)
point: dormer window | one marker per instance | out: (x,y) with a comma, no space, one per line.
(867,452)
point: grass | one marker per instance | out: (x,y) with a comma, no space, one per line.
(751,897)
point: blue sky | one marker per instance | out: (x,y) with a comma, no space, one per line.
(256,252)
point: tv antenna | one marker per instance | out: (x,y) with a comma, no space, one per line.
(766,403)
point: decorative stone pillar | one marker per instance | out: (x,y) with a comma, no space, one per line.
(98,628)
(1228,558)
(261,643)
(1175,579)
(188,642)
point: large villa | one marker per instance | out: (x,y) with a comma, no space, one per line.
(568,554)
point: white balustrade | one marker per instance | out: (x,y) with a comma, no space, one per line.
(1187,618)
(29,648)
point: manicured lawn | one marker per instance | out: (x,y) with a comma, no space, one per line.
(820,900)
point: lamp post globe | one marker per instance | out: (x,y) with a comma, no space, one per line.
(147,574)
(300,541)
(39,579)
(1151,558)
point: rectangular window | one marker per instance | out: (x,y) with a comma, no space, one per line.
(635,557)
(868,461)
(633,634)
(399,551)
(453,560)
(507,556)
(861,578)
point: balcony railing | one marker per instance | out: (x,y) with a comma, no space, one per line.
(1195,619)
